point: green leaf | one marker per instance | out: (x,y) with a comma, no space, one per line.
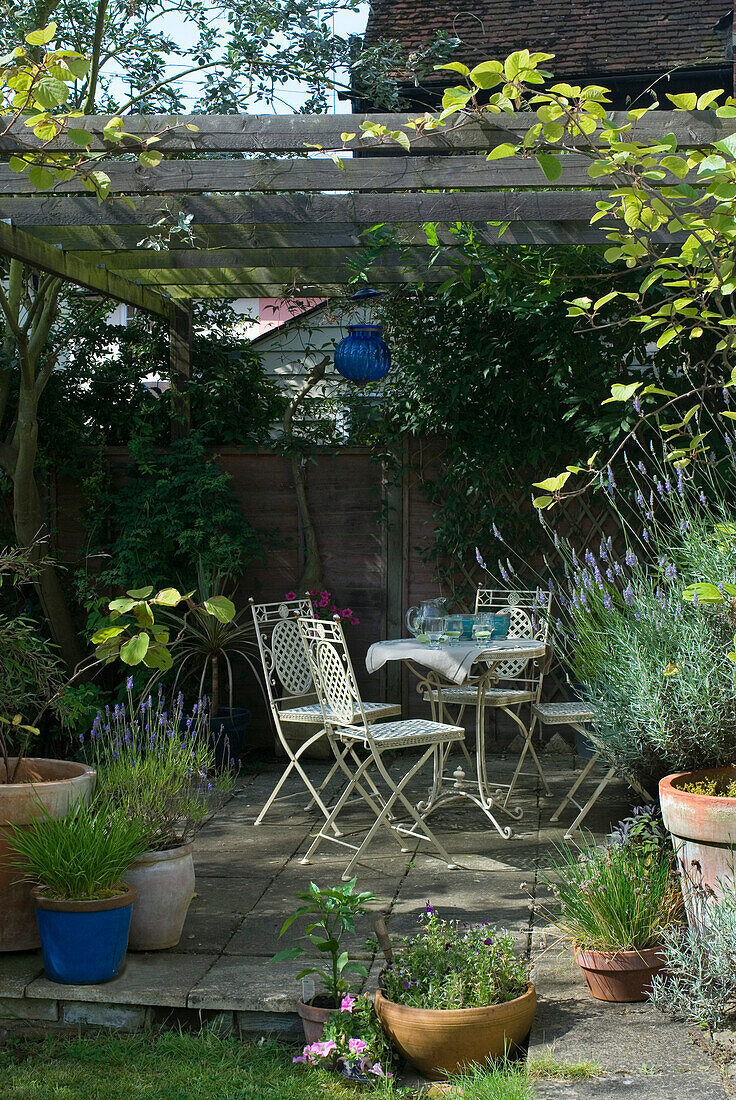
(553,484)
(121,605)
(505,149)
(686,101)
(134,650)
(678,166)
(158,657)
(287,953)
(705,100)
(168,597)
(455,66)
(621,392)
(221,608)
(42,37)
(41,178)
(707,593)
(17,164)
(106,633)
(542,502)
(550,165)
(50,92)
(140,593)
(79,137)
(143,614)
(487,75)
(150,158)
(727,145)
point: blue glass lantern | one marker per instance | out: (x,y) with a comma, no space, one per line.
(363,355)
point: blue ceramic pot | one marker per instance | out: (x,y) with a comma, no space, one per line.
(83,942)
(363,355)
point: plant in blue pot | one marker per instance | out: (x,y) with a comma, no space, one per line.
(83,904)
(363,355)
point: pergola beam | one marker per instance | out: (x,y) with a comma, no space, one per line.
(288,133)
(19,245)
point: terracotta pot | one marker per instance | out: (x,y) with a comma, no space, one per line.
(50,785)
(165,885)
(703,830)
(440,1042)
(620,976)
(314,1018)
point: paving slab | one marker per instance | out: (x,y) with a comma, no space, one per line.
(665,1086)
(246,983)
(18,971)
(461,895)
(156,978)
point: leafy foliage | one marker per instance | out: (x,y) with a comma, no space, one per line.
(452,965)
(82,856)
(174,511)
(330,912)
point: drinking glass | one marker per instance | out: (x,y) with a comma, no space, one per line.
(483,629)
(434,629)
(453,629)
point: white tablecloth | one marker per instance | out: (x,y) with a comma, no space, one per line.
(453,662)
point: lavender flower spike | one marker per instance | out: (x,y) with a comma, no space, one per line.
(479,558)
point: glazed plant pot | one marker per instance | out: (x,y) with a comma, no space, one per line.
(51,785)
(441,1042)
(165,885)
(703,831)
(314,1018)
(621,977)
(83,942)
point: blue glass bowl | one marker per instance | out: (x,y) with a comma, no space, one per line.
(501,624)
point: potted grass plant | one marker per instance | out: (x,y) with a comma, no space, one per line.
(328,913)
(615,903)
(455,996)
(158,764)
(83,903)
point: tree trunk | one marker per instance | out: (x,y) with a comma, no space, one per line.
(313,572)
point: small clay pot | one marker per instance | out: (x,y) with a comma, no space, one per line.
(314,1018)
(165,885)
(441,1042)
(620,976)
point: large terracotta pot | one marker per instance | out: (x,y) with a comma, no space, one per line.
(314,1018)
(620,976)
(50,785)
(165,885)
(440,1042)
(703,830)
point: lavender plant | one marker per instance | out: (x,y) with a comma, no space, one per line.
(158,766)
(645,620)
(449,964)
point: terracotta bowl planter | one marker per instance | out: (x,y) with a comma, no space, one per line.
(440,1042)
(165,885)
(620,976)
(55,786)
(314,1018)
(703,830)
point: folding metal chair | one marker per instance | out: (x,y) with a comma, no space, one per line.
(512,683)
(577,715)
(347,719)
(288,678)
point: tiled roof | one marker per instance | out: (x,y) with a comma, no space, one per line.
(592,37)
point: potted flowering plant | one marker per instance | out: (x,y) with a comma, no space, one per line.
(159,765)
(328,914)
(615,903)
(353,1042)
(456,995)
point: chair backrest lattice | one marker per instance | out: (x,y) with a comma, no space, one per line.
(529,613)
(284,657)
(332,672)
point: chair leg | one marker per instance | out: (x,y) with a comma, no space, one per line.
(591,802)
(569,797)
(528,748)
(295,765)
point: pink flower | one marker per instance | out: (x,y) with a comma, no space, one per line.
(290,596)
(346,1004)
(347,612)
(378,1070)
(324,600)
(354,621)
(320,1050)
(357,1046)
(303,1058)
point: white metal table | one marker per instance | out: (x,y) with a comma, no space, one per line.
(446,667)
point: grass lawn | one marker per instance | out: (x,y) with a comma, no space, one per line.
(181,1066)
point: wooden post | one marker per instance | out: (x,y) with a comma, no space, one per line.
(180,370)
(395,510)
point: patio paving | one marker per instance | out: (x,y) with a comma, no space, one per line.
(246,879)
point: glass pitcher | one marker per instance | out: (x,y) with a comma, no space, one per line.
(427,609)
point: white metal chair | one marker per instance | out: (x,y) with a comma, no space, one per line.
(577,715)
(508,685)
(346,718)
(288,678)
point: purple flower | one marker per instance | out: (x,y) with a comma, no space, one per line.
(630,558)
(479,558)
(347,1003)
(429,911)
(628,595)
(607,601)
(129,684)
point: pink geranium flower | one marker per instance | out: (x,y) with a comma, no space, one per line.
(346,1004)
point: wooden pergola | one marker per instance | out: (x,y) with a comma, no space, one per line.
(267,216)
